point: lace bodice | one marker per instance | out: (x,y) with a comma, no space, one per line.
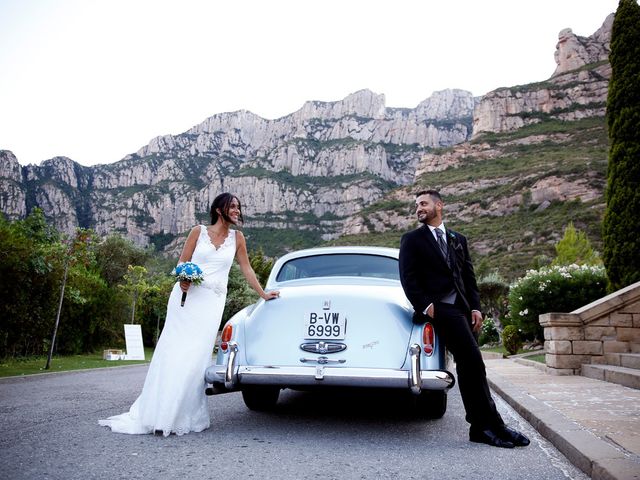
(214,262)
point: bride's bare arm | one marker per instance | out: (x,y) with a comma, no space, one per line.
(187,252)
(190,245)
(243,260)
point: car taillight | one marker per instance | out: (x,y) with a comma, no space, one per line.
(227,333)
(428,338)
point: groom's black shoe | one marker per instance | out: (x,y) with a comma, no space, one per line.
(510,435)
(490,437)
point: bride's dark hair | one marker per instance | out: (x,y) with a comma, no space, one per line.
(223,202)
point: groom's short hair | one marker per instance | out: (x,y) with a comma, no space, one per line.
(432,193)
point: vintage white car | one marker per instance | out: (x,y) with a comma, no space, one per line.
(342,320)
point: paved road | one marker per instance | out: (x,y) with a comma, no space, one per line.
(49,430)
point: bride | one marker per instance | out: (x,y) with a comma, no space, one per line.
(173,398)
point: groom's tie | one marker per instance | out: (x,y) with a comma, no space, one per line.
(442,244)
(451,296)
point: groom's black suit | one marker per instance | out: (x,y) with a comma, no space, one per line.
(427,278)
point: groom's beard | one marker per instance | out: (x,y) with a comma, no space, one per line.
(425,216)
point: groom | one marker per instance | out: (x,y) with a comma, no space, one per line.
(438,278)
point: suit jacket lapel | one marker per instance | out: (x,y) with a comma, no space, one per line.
(434,245)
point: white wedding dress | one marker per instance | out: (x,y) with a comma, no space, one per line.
(173,398)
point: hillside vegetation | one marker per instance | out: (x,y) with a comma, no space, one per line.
(497,202)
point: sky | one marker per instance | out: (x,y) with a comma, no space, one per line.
(95,80)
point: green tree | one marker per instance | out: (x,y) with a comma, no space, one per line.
(114,255)
(33,257)
(29,283)
(153,306)
(574,247)
(135,284)
(68,253)
(36,228)
(262,265)
(622,216)
(26,284)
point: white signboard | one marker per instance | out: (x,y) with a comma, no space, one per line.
(133,337)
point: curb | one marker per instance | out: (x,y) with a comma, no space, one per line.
(591,454)
(531,363)
(67,372)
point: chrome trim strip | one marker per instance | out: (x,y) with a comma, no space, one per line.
(323,360)
(229,377)
(342,376)
(415,380)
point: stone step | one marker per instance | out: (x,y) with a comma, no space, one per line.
(629,360)
(629,377)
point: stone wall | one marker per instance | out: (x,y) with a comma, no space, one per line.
(585,336)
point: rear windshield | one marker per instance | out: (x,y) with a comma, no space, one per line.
(340,265)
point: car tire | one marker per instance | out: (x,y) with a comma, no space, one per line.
(259,397)
(431,404)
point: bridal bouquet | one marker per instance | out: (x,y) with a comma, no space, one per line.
(189,272)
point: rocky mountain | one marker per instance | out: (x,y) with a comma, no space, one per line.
(577,89)
(308,170)
(12,192)
(537,159)
(347,168)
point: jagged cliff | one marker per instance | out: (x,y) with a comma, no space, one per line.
(537,160)
(12,191)
(307,170)
(349,167)
(577,89)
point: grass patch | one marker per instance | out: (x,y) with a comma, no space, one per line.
(540,358)
(501,349)
(31,365)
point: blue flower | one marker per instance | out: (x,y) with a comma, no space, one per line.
(188,271)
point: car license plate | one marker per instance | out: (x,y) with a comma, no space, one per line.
(325,324)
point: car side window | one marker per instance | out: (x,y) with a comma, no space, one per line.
(289,271)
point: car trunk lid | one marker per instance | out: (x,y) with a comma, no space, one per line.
(371,321)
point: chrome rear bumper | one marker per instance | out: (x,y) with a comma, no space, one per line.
(233,376)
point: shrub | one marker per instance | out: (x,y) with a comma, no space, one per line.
(488,332)
(493,295)
(553,289)
(511,339)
